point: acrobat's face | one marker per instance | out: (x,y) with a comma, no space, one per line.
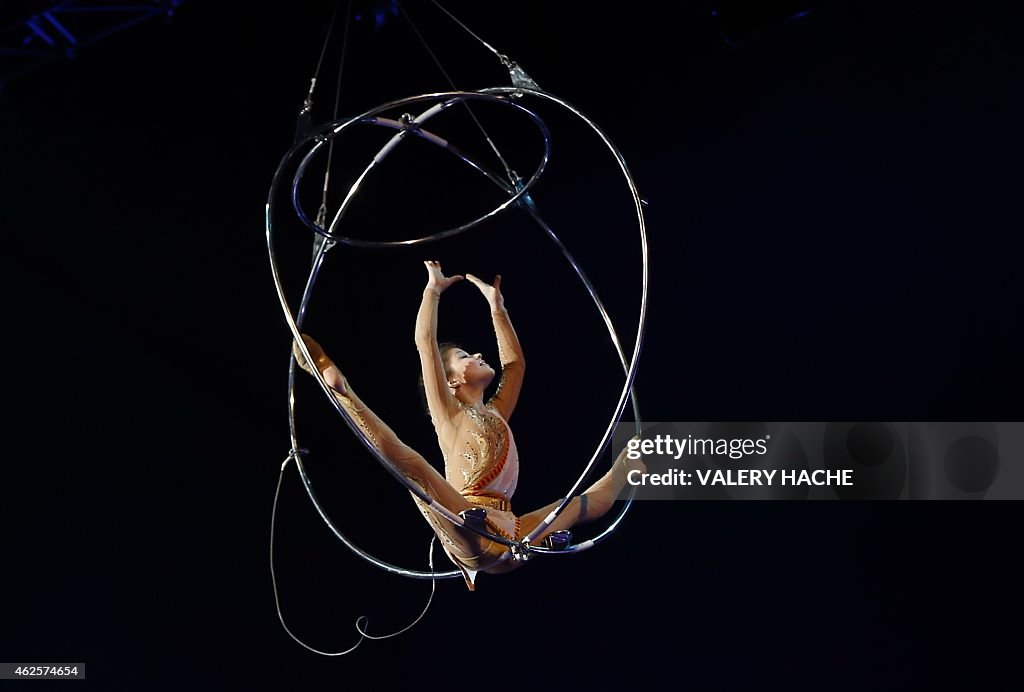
(466,368)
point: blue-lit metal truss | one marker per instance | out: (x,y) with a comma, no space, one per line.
(42,33)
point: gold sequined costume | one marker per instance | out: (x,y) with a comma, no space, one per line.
(484,467)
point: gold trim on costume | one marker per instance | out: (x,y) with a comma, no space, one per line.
(493,502)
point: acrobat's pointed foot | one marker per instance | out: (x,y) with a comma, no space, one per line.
(475,518)
(331,374)
(559,540)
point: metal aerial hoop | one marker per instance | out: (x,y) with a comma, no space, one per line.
(517,194)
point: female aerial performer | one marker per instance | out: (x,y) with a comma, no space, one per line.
(480,457)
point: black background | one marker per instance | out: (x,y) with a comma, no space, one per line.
(834,233)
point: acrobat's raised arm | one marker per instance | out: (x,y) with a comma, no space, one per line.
(510,352)
(440,401)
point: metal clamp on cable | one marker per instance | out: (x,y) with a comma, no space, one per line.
(520,79)
(319,240)
(293,454)
(525,201)
(521,551)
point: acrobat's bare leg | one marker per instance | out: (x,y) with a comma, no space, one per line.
(591,505)
(404,458)
(465,544)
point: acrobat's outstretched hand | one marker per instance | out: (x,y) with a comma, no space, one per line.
(436,280)
(492,292)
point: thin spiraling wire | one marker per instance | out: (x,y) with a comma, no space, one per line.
(430,599)
(362,620)
(273,581)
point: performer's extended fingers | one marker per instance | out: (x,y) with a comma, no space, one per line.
(483,284)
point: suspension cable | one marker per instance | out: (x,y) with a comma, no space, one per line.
(512,176)
(503,58)
(319,63)
(322,212)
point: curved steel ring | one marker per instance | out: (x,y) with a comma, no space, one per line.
(329,132)
(629,367)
